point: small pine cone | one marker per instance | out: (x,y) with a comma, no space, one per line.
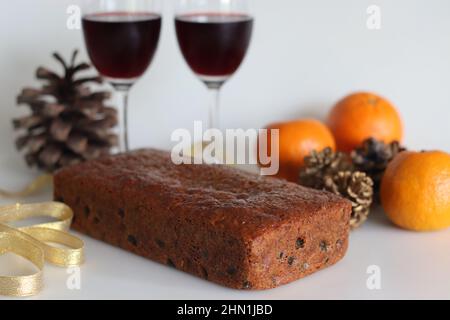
(356,187)
(320,165)
(373,157)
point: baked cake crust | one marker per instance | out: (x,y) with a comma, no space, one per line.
(220,223)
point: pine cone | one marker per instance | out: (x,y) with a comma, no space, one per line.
(373,157)
(322,164)
(68,123)
(334,172)
(356,187)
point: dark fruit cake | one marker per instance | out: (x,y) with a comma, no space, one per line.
(220,223)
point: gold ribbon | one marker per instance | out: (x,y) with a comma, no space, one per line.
(36,185)
(31,242)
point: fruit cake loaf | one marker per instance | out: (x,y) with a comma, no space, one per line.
(217,222)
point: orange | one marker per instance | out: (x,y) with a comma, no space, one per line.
(296,140)
(415,190)
(363,115)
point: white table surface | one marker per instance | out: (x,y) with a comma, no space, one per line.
(413,265)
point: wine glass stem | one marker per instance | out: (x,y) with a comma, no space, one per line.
(214,109)
(123,121)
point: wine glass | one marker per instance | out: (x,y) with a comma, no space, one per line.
(121,38)
(213,36)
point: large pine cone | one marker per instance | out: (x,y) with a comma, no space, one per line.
(68,123)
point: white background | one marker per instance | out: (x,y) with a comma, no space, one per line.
(304,56)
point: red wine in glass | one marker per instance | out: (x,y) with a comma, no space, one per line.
(214,44)
(121,45)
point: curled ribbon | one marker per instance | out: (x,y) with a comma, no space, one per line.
(31,242)
(33,187)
